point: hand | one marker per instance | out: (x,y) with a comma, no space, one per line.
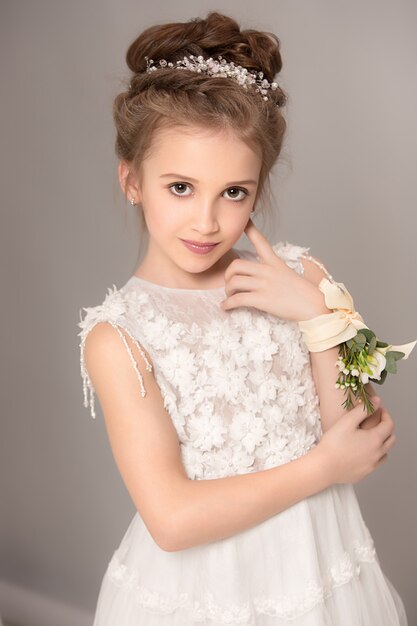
(270,284)
(351,452)
(373,418)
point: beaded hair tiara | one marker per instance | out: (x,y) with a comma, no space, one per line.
(217,67)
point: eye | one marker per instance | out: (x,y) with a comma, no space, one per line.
(236,191)
(181,187)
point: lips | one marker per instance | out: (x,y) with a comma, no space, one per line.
(198,248)
(200,243)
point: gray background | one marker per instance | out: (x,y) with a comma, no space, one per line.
(345,186)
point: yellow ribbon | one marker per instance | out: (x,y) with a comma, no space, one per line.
(331,329)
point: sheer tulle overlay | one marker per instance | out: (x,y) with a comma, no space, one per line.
(239,389)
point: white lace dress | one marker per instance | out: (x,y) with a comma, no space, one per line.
(239,389)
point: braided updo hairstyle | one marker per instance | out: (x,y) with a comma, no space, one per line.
(170,97)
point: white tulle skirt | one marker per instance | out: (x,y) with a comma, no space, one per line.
(313,564)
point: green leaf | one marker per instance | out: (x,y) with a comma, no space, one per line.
(381,344)
(360,339)
(369,334)
(395,354)
(391,367)
(372,345)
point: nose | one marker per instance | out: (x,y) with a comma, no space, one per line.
(205,217)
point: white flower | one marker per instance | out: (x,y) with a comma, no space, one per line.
(162,332)
(272,452)
(241,318)
(247,429)
(136,302)
(187,405)
(193,461)
(267,390)
(293,358)
(111,309)
(227,461)
(251,402)
(213,333)
(376,362)
(273,415)
(211,357)
(288,251)
(206,429)
(283,332)
(179,367)
(290,394)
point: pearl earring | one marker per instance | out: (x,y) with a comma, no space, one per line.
(132,202)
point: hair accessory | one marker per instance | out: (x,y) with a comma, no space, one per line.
(217,67)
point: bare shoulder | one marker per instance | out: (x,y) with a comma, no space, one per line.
(103,346)
(142,436)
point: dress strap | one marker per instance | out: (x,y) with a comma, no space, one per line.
(88,389)
(319,264)
(293,254)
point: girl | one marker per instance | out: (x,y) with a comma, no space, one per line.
(228,433)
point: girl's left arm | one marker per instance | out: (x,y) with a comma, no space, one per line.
(325,372)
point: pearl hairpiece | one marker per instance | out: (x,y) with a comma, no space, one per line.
(217,67)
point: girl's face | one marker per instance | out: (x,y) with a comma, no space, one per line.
(196,185)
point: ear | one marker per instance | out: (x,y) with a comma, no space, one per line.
(128,182)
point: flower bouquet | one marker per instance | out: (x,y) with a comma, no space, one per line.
(365,357)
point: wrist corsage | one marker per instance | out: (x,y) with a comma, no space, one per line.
(362,356)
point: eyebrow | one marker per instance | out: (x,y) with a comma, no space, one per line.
(234,182)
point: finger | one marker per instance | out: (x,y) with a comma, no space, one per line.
(385,426)
(389,442)
(241,267)
(361,410)
(240,283)
(261,244)
(381,460)
(241,298)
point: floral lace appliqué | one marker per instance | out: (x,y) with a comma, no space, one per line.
(286,607)
(237,384)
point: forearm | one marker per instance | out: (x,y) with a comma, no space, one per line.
(210,510)
(325,371)
(331,399)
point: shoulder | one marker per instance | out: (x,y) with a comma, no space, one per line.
(119,306)
(108,344)
(105,324)
(110,350)
(111,309)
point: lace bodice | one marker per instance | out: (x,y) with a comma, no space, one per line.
(237,384)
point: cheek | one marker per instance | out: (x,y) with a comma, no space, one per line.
(235,222)
(160,216)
